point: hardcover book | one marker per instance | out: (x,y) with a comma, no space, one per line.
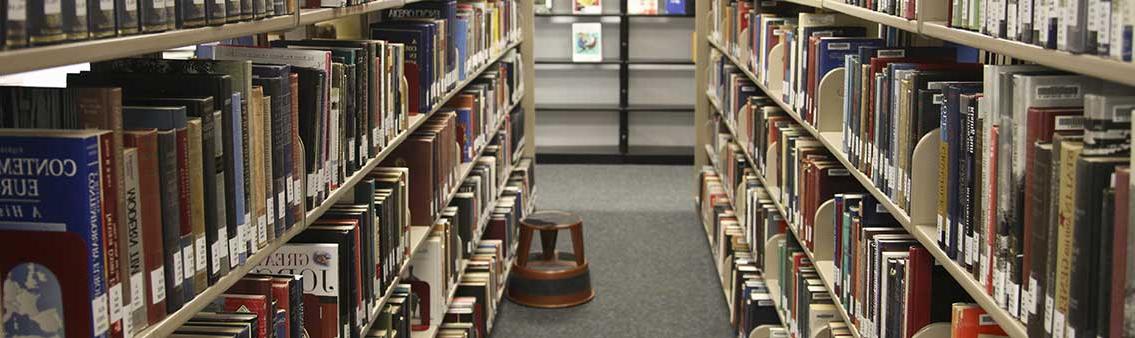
(319,263)
(55,163)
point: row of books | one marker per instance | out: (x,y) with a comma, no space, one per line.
(1051,24)
(449,40)
(38,22)
(738,265)
(479,236)
(895,307)
(258,305)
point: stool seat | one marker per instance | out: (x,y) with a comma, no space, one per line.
(550,279)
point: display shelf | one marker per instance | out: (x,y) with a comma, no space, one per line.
(634,62)
(615,107)
(873,16)
(167,326)
(1108,69)
(32,58)
(313,15)
(924,233)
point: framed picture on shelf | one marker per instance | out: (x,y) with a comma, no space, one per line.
(586,7)
(586,42)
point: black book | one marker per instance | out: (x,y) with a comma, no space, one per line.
(1093,175)
(189,13)
(219,331)
(126,18)
(968,172)
(311,84)
(259,9)
(168,120)
(154,15)
(1103,280)
(232,10)
(35,107)
(14,32)
(215,12)
(100,18)
(951,122)
(75,20)
(275,87)
(203,108)
(345,237)
(45,23)
(1038,271)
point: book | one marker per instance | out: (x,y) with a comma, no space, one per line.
(322,295)
(76,160)
(677,7)
(586,7)
(643,7)
(54,280)
(587,42)
(149,205)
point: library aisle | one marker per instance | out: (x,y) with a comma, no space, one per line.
(649,266)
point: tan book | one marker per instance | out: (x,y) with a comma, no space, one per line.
(195,258)
(257,231)
(270,204)
(1069,153)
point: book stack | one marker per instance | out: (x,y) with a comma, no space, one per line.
(1061,25)
(263,305)
(39,23)
(449,40)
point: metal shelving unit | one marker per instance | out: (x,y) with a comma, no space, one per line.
(624,152)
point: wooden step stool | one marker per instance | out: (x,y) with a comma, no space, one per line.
(550,279)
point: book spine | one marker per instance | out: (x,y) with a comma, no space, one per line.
(215,12)
(101,15)
(1067,211)
(45,21)
(213,166)
(257,229)
(197,254)
(75,25)
(171,219)
(297,192)
(126,17)
(245,10)
(108,176)
(190,13)
(232,10)
(153,15)
(1039,199)
(136,249)
(280,143)
(1119,252)
(186,220)
(273,226)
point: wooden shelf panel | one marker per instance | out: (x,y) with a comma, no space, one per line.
(27,59)
(1108,69)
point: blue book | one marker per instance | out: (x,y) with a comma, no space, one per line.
(830,52)
(56,187)
(417,67)
(460,39)
(236,251)
(675,6)
(433,9)
(465,121)
(276,82)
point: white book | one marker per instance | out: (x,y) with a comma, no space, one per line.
(587,42)
(649,7)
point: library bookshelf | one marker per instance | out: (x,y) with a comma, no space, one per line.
(37,58)
(919,217)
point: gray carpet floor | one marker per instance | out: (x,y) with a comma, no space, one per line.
(650,264)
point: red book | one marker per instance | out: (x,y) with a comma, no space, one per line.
(991,225)
(416,153)
(109,176)
(1119,250)
(254,304)
(1041,125)
(57,278)
(150,205)
(919,266)
(971,321)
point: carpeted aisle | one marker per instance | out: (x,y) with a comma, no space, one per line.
(650,264)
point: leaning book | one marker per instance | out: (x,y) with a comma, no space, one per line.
(51,192)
